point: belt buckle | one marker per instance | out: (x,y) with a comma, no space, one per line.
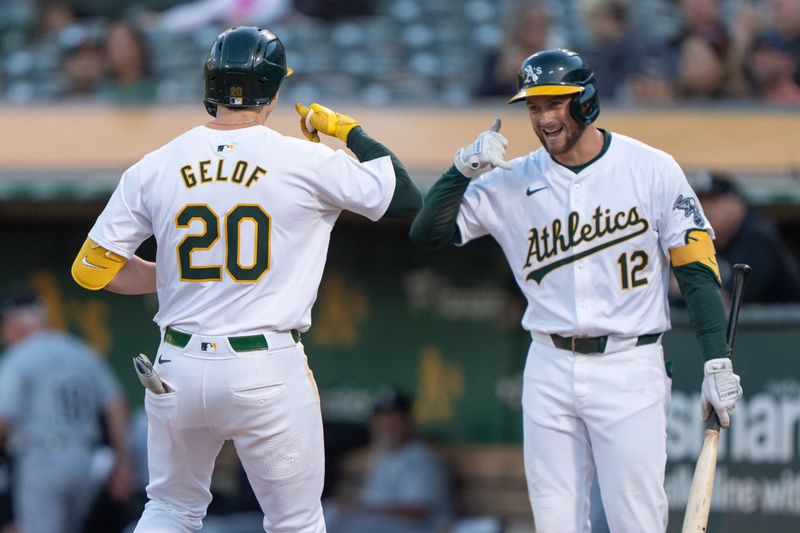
(572,341)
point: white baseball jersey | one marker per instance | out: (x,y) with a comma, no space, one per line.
(242,219)
(590,251)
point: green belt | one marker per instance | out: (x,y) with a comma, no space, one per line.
(587,345)
(246,343)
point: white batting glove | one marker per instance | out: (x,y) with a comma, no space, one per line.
(484,154)
(720,389)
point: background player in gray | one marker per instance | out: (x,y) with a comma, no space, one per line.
(406,487)
(53,391)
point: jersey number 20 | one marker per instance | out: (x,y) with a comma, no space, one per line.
(232,225)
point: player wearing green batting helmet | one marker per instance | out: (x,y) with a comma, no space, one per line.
(245,68)
(558,72)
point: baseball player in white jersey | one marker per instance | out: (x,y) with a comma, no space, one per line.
(589,224)
(242,217)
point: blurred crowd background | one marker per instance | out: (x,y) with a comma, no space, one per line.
(448,52)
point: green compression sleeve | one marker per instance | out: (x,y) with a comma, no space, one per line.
(700,289)
(407,199)
(435,225)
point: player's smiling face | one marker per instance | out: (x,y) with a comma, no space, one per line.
(557,130)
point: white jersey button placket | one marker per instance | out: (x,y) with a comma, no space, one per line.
(577,193)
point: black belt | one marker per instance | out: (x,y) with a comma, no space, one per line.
(246,343)
(588,345)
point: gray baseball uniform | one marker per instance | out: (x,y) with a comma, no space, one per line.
(53,389)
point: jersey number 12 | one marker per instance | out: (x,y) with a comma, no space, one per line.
(630,269)
(232,224)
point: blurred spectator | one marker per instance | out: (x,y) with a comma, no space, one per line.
(745,26)
(702,18)
(696,64)
(704,51)
(771,69)
(615,51)
(527,32)
(128,80)
(702,69)
(53,392)
(334,9)
(198,14)
(784,19)
(54,16)
(745,236)
(82,70)
(406,489)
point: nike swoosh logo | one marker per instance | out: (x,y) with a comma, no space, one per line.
(85,262)
(530,191)
(161,360)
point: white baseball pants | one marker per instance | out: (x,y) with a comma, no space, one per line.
(606,409)
(266,402)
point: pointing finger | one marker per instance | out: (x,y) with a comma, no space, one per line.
(495,125)
(301,109)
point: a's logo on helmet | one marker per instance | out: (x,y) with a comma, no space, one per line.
(531,74)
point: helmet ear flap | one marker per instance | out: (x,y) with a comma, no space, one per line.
(585,105)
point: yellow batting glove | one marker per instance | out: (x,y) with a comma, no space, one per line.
(320,118)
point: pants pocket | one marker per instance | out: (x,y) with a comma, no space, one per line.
(259,392)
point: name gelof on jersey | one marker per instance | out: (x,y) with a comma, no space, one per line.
(241,173)
(554,239)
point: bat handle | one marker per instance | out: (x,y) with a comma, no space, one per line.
(713,424)
(740,273)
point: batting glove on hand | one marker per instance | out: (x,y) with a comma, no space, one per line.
(484,154)
(720,389)
(320,118)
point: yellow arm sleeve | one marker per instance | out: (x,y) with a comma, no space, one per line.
(698,248)
(95,267)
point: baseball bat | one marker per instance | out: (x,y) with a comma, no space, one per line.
(700,492)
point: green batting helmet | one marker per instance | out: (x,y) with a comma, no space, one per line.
(245,68)
(557,72)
